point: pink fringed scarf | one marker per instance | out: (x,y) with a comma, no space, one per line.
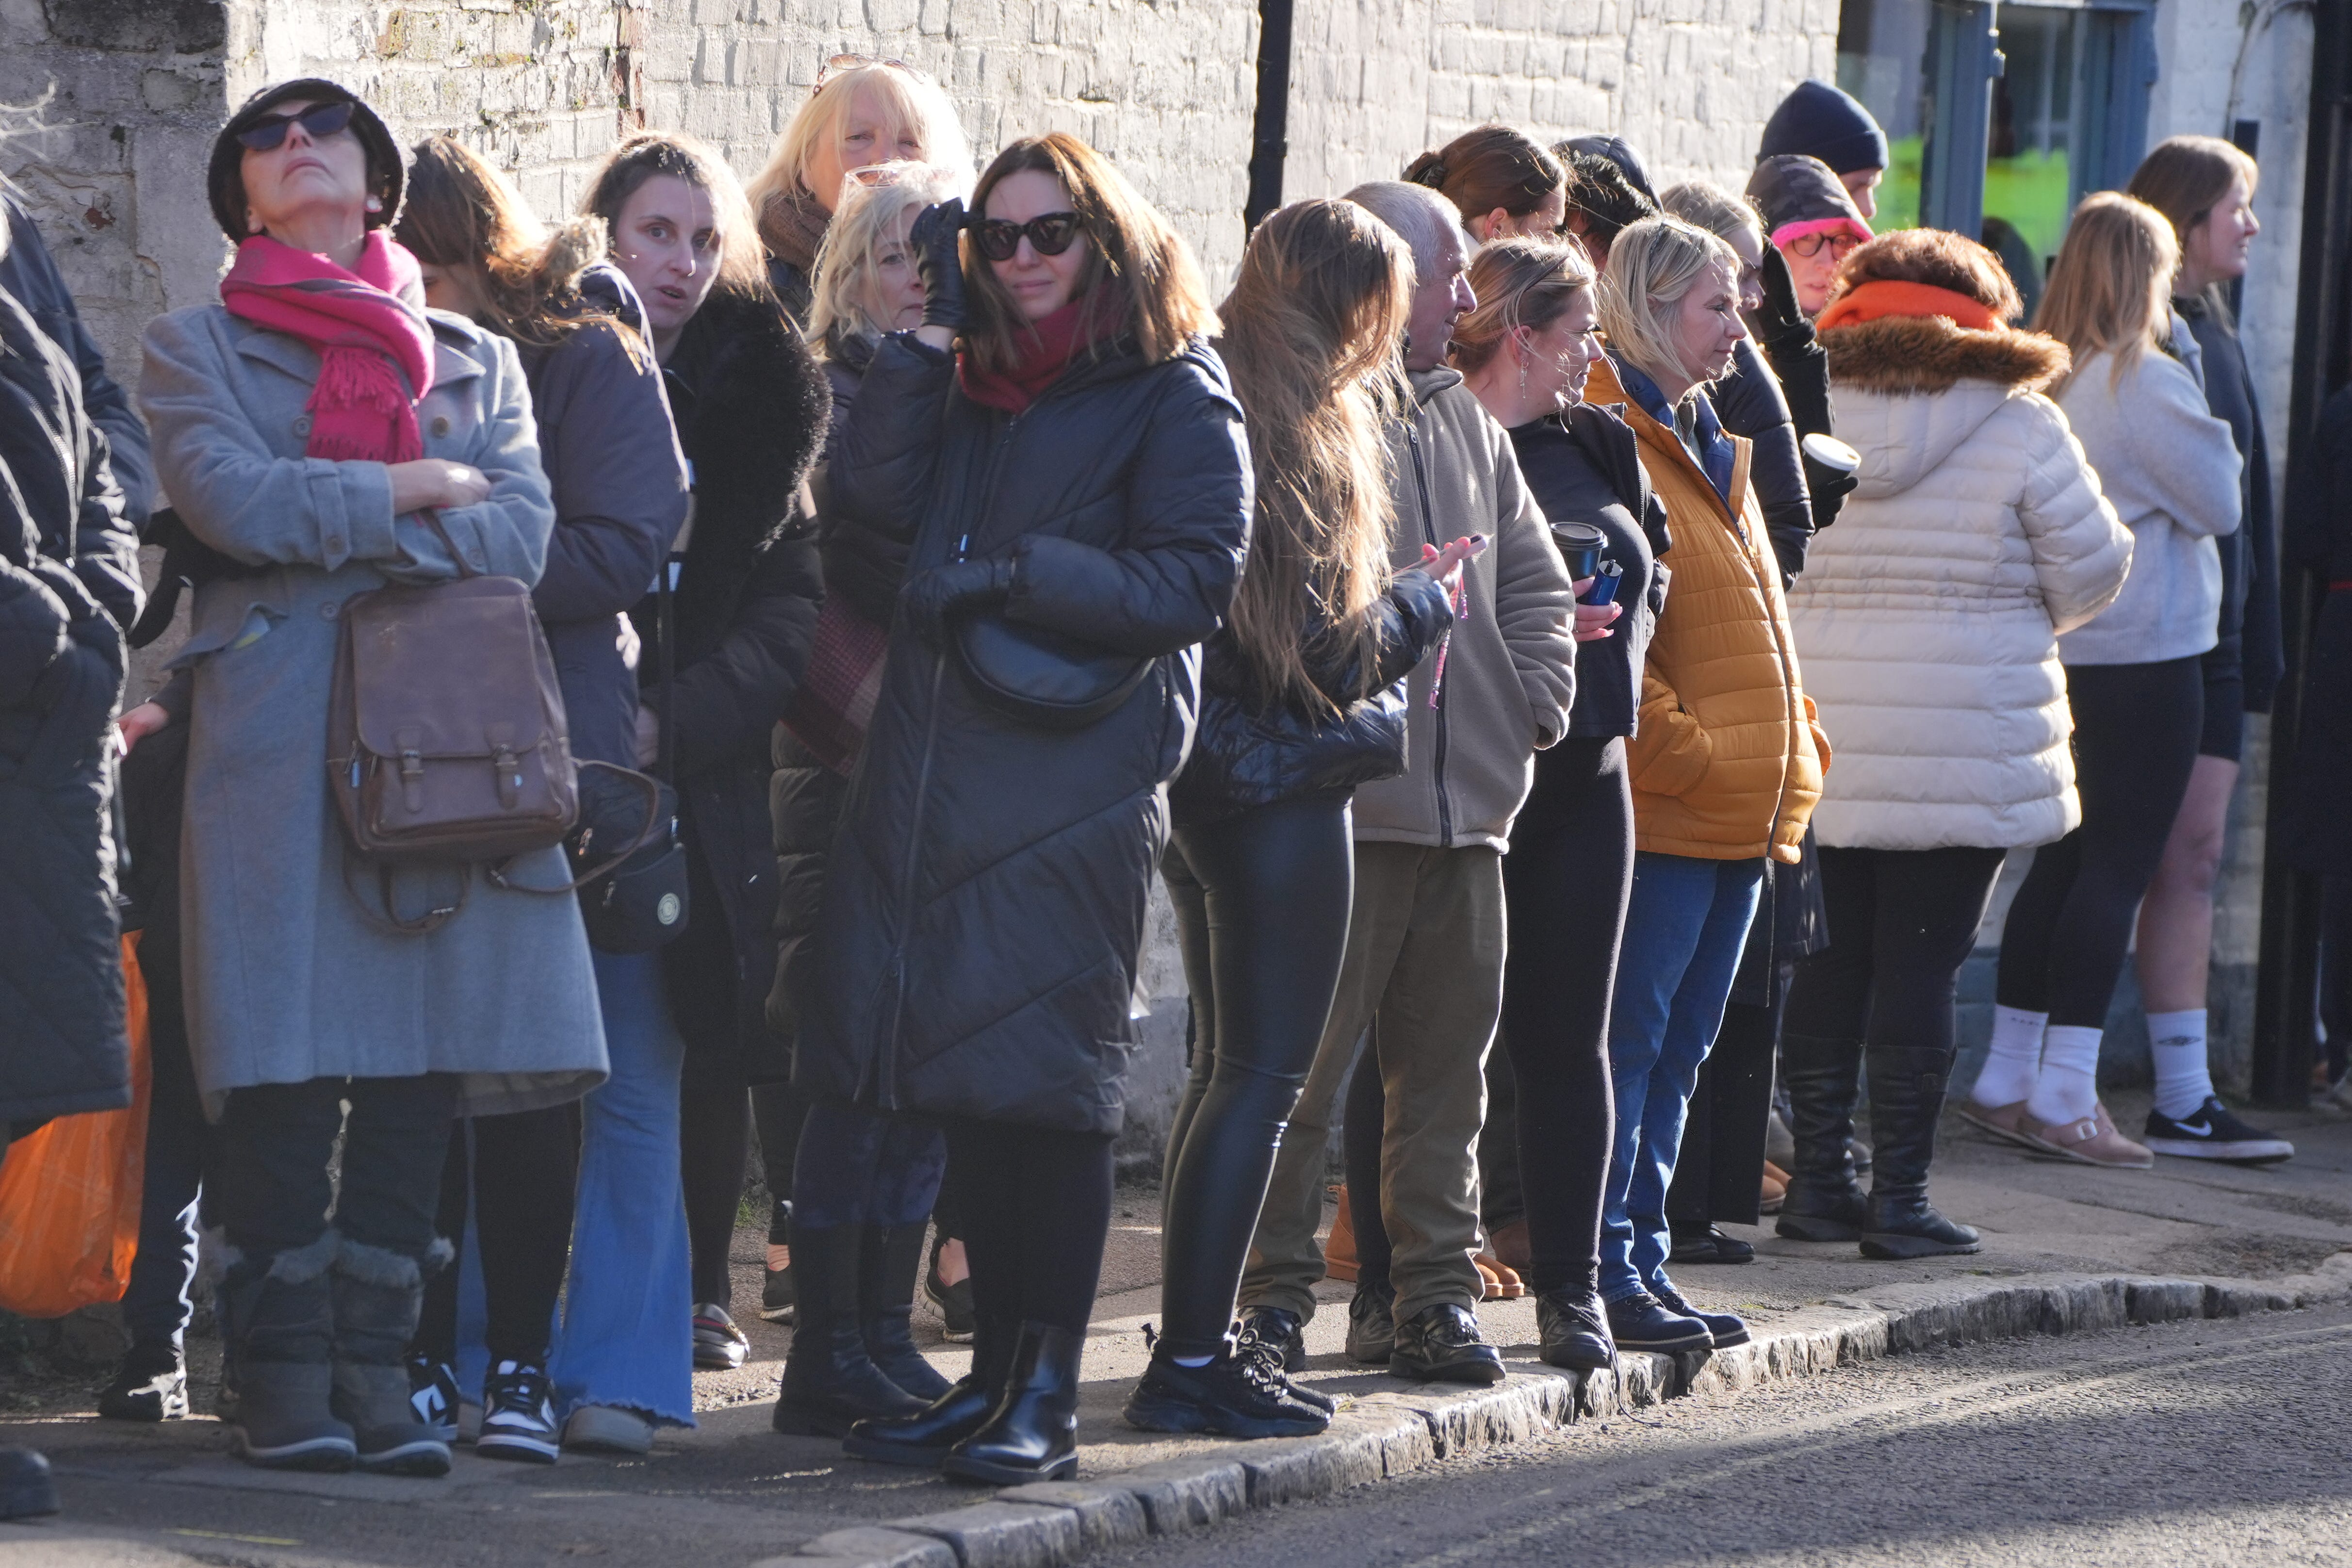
(376,348)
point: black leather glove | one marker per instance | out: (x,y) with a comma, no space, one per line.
(929,597)
(1829,487)
(1780,322)
(939,263)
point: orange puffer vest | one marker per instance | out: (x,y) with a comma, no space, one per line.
(1727,762)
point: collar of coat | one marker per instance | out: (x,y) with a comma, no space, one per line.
(750,403)
(1913,355)
(1659,445)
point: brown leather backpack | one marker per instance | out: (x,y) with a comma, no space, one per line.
(446,736)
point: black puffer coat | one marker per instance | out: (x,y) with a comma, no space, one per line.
(2316,826)
(985,903)
(63,1048)
(1750,402)
(750,404)
(1250,752)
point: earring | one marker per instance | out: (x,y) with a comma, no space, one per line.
(376,203)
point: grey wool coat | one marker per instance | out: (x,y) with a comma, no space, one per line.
(286,979)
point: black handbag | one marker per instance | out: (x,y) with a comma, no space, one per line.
(1039,677)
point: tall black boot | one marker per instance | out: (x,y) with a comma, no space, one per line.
(277,1329)
(887,1263)
(1032,1433)
(924,1438)
(829,1379)
(1824,1201)
(1906,1095)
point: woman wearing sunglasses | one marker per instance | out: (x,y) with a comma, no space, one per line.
(1810,219)
(302,427)
(1084,485)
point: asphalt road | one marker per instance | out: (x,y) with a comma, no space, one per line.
(2156,1447)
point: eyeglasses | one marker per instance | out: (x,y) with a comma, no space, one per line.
(839,63)
(1051,233)
(1841,243)
(317,123)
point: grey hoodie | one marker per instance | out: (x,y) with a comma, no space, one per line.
(1509,664)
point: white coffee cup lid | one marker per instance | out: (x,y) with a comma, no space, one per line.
(1832,453)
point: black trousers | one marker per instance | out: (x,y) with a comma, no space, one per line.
(519,1176)
(1262,902)
(2137,730)
(1902,923)
(716,1108)
(273,1191)
(1719,1175)
(1036,1212)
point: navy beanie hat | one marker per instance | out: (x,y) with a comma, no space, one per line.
(1820,122)
(1618,151)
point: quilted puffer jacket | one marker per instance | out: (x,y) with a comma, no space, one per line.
(1928,618)
(1727,762)
(1250,752)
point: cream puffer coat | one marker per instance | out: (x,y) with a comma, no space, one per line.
(1929,617)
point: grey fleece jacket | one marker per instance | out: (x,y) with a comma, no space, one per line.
(1509,664)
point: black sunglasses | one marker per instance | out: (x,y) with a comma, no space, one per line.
(1051,233)
(317,123)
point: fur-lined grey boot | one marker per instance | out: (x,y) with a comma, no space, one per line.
(378,1296)
(278,1319)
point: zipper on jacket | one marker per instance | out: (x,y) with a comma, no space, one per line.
(1429,532)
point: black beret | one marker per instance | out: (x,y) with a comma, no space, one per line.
(224,180)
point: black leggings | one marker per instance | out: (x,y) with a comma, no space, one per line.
(1902,923)
(272,1187)
(2136,728)
(1262,903)
(714,1120)
(1036,1211)
(516,1174)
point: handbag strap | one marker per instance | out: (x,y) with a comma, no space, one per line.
(432,516)
(652,830)
(389,922)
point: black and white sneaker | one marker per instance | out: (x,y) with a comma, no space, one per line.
(2214,1132)
(518,1415)
(431,1393)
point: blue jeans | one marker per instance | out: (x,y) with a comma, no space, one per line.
(1684,930)
(627,1335)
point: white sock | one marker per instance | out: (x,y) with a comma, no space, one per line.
(2008,1073)
(1193,1360)
(2068,1089)
(2184,1080)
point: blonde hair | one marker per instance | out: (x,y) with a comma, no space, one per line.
(1518,283)
(1653,265)
(909,102)
(742,265)
(2111,289)
(2184,178)
(1129,249)
(866,228)
(1712,208)
(1313,330)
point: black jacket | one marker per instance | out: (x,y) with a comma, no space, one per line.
(619,482)
(1251,752)
(985,902)
(63,1048)
(29,275)
(2250,575)
(2316,826)
(1750,402)
(750,404)
(1585,466)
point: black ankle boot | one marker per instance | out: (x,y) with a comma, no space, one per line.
(830,1381)
(1032,1433)
(924,1438)
(888,1264)
(1824,1201)
(1907,1096)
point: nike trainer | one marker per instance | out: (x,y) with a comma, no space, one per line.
(2214,1132)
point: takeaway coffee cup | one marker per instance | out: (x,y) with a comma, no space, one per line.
(1580,545)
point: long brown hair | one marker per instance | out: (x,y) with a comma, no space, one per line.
(1519,283)
(461,211)
(1492,166)
(2111,289)
(1313,331)
(1130,247)
(742,270)
(2184,178)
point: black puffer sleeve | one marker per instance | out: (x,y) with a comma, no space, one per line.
(733,695)
(887,448)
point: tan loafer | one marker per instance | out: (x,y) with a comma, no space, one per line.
(2006,1122)
(2092,1140)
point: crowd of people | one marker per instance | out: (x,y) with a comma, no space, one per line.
(920,565)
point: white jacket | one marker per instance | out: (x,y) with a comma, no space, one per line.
(1928,618)
(2171,469)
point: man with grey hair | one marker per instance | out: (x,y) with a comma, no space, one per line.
(1425,936)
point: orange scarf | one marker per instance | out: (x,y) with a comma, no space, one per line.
(1888,297)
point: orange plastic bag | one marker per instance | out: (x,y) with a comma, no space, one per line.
(69,1194)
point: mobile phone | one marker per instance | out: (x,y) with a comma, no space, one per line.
(1605,583)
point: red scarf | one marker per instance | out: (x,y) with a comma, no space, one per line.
(1044,351)
(375,348)
(1893,297)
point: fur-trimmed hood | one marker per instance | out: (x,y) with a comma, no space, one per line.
(1908,391)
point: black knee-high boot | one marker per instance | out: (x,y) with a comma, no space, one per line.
(888,1262)
(1908,1086)
(1824,1201)
(830,1381)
